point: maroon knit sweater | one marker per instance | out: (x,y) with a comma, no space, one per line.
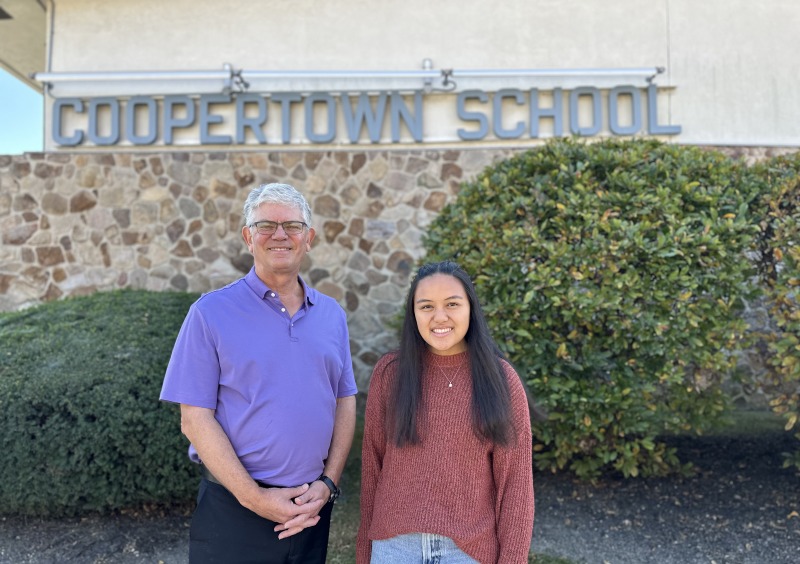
(452,483)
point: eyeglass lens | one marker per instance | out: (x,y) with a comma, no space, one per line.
(289,227)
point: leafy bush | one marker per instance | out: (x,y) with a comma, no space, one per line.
(779,270)
(613,274)
(81,426)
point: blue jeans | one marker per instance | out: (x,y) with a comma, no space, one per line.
(418,548)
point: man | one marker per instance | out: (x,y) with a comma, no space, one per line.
(263,374)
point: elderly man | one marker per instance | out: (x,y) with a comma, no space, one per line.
(262,372)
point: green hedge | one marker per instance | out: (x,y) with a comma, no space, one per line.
(778,213)
(614,273)
(81,426)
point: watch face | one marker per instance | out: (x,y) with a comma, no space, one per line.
(335,493)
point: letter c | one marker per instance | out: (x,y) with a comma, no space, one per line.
(58,105)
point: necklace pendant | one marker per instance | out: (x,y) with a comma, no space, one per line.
(450,385)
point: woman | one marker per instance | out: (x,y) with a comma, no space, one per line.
(446,469)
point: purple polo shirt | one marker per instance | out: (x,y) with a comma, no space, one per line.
(273,380)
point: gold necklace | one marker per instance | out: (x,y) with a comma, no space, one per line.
(443,373)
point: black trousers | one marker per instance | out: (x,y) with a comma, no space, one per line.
(224,532)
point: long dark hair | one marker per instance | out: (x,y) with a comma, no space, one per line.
(491,398)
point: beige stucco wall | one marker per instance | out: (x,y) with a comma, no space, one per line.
(358,34)
(735,67)
(730,61)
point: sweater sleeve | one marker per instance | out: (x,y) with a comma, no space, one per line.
(372,451)
(513,475)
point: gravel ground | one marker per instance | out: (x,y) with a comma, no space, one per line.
(741,507)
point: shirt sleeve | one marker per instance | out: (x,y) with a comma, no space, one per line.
(372,452)
(513,475)
(347,382)
(193,371)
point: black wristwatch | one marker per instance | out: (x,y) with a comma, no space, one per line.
(335,491)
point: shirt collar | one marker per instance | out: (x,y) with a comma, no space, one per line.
(262,290)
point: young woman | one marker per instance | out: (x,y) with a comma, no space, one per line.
(447,467)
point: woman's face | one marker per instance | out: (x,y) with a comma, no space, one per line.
(441,308)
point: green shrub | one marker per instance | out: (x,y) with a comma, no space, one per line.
(779,270)
(612,274)
(81,426)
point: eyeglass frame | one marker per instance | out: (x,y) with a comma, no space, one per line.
(281,224)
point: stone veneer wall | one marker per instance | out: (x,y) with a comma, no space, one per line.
(77,223)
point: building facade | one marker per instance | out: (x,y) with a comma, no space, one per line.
(161,116)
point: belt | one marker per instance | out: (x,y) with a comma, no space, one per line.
(210,477)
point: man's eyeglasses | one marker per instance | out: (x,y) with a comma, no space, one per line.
(269,227)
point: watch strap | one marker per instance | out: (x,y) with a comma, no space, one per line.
(335,491)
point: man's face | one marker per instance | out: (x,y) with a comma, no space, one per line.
(277,253)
